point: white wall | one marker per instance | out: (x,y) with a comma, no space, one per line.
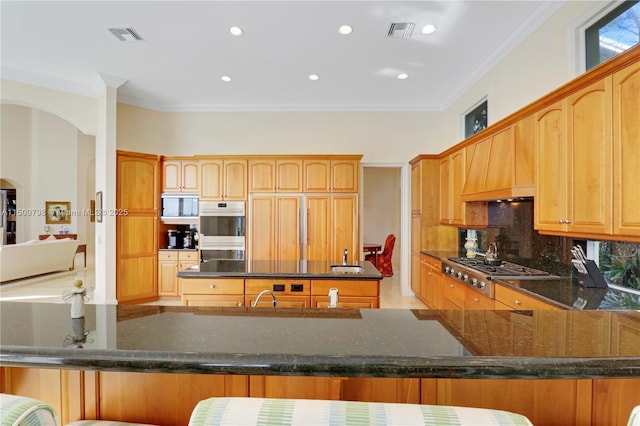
(46,158)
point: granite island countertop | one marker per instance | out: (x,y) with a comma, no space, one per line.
(296,269)
(323,342)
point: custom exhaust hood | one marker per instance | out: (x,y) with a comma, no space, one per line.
(501,166)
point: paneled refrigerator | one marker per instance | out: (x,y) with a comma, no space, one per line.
(303,227)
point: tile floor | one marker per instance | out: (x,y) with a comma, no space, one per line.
(49,288)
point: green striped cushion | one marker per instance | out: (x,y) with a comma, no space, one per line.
(634,420)
(262,411)
(103,423)
(22,411)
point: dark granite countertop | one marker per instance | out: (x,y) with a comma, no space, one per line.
(310,269)
(565,293)
(323,342)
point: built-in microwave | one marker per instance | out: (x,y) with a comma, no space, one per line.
(179,207)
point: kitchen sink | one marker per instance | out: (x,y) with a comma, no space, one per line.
(346,269)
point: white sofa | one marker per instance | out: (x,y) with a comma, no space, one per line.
(36,257)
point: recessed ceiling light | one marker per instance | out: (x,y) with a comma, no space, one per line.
(236,31)
(226,78)
(313,77)
(402,76)
(429,29)
(345,30)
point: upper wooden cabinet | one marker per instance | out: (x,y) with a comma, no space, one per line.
(574,160)
(502,165)
(223,179)
(180,175)
(275,175)
(626,151)
(453,211)
(275,228)
(331,175)
(332,226)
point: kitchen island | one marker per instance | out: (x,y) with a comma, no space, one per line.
(291,284)
(590,360)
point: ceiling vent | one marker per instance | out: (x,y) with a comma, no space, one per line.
(400,29)
(125,34)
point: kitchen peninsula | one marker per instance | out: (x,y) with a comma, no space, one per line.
(118,353)
(294,283)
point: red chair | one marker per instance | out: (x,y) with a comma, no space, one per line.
(384,259)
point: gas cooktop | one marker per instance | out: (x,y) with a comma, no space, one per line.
(504,270)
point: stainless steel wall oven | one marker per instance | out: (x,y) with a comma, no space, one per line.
(222,233)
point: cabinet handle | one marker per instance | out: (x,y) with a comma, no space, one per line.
(239,303)
(518,302)
(567,221)
(212,286)
(451,285)
(475,299)
(561,221)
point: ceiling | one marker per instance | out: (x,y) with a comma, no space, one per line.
(187,48)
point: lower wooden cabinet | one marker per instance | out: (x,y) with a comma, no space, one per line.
(213,292)
(289,293)
(168,399)
(170,262)
(351,294)
(431,277)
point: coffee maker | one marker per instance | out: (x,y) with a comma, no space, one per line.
(172,239)
(189,239)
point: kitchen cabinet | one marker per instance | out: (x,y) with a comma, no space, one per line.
(289,293)
(626,152)
(274,232)
(574,160)
(169,263)
(219,292)
(180,175)
(625,338)
(332,226)
(223,179)
(416,223)
(275,175)
(453,211)
(331,175)
(138,192)
(351,294)
(431,277)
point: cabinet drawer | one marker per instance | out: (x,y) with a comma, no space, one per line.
(346,302)
(212,286)
(433,263)
(188,255)
(346,288)
(454,292)
(520,301)
(165,255)
(286,286)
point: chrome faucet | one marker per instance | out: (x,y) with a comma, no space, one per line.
(273,296)
(344,256)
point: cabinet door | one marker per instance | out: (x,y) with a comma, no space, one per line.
(344,175)
(171,171)
(211,179)
(167,270)
(626,151)
(344,228)
(137,184)
(416,278)
(416,188)
(453,294)
(190,176)
(289,175)
(551,161)
(287,228)
(235,180)
(318,213)
(317,175)
(445,192)
(262,230)
(137,264)
(458,173)
(476,300)
(589,207)
(262,175)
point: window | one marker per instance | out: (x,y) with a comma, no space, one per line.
(475,120)
(616,32)
(618,261)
